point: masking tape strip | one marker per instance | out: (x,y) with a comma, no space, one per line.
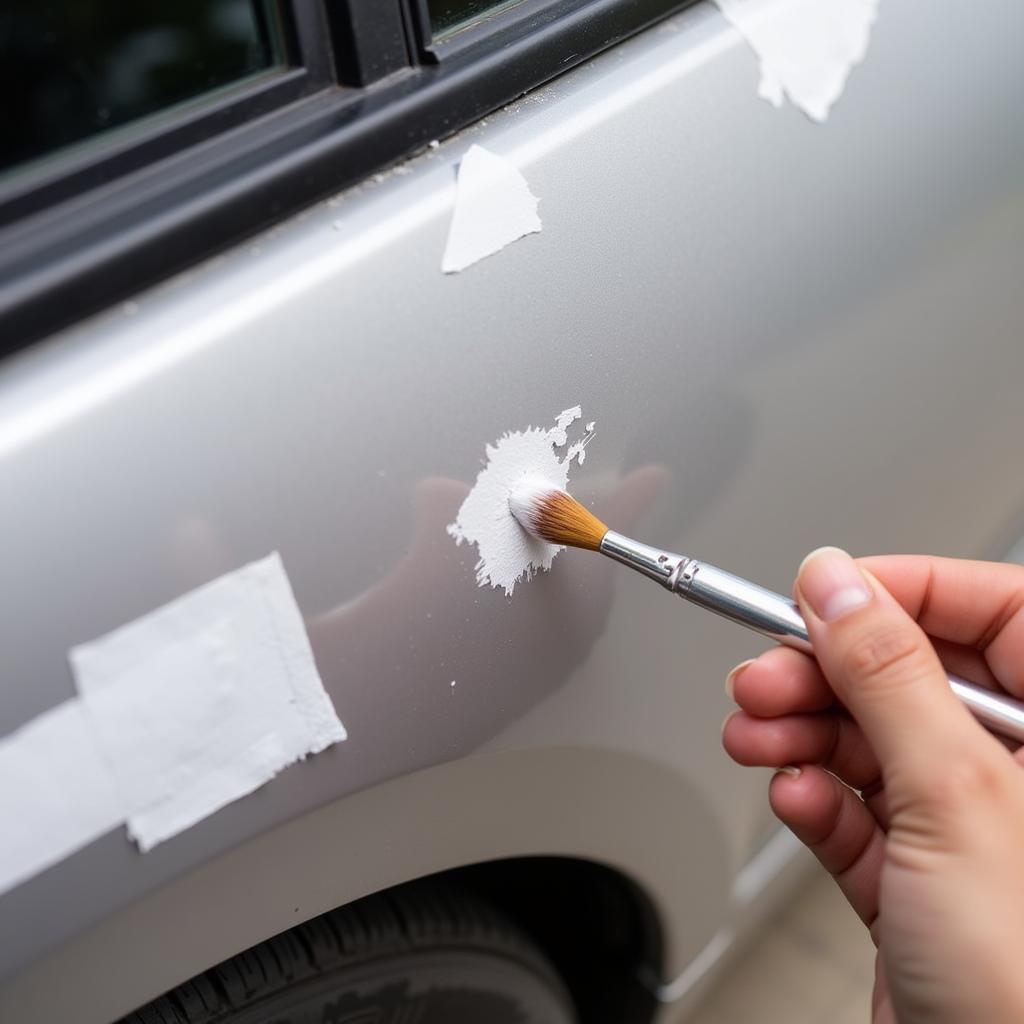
(493,208)
(807,48)
(179,713)
(56,794)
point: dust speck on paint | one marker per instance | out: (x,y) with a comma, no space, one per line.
(507,552)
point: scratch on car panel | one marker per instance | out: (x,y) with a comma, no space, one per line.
(807,48)
(493,207)
(507,552)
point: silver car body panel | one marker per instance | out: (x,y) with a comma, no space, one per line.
(789,334)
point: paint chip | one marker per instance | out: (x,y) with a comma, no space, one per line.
(507,552)
(493,207)
(807,48)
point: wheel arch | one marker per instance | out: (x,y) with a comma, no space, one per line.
(627,814)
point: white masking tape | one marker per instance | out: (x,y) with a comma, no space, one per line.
(493,208)
(179,713)
(56,794)
(807,48)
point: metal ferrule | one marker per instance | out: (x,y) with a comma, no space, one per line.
(744,602)
(715,589)
(778,617)
(663,566)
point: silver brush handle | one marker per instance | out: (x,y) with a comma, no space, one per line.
(778,617)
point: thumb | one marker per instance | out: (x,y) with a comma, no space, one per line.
(883,667)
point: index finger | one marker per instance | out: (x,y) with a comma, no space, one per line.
(978,604)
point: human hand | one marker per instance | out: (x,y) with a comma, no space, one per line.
(929,854)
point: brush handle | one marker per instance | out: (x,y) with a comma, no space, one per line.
(779,618)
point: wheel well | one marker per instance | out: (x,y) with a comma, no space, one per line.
(595,925)
(519,806)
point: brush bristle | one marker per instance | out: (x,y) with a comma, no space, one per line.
(554,516)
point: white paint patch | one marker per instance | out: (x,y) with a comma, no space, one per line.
(807,48)
(179,713)
(493,207)
(507,552)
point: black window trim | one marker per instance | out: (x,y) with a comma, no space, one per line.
(306,69)
(281,143)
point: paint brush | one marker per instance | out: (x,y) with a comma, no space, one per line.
(556,517)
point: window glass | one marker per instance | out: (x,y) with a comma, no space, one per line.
(73,69)
(448,16)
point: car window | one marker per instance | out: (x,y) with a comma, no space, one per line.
(448,16)
(81,70)
(139,136)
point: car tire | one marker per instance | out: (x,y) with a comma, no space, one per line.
(424,953)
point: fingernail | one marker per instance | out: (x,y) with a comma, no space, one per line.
(832,584)
(730,679)
(725,721)
(788,769)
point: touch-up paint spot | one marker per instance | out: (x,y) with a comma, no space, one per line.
(507,552)
(807,48)
(493,207)
(179,713)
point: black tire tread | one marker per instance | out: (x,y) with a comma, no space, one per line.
(421,914)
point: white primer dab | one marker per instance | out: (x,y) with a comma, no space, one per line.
(507,552)
(807,48)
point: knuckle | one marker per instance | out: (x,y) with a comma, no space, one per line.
(839,751)
(966,782)
(885,657)
(773,743)
(976,777)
